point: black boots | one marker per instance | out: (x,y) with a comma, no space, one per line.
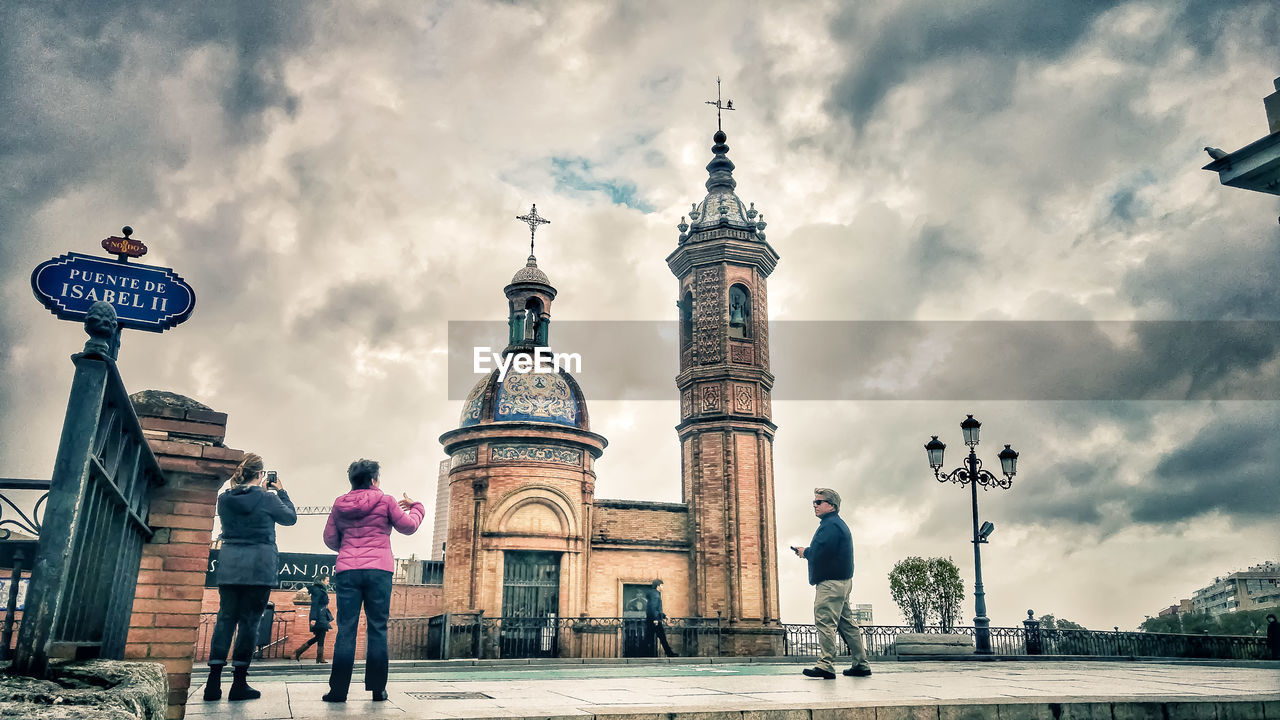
(240,689)
(213,686)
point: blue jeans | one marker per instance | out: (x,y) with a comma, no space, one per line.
(371,588)
(239,609)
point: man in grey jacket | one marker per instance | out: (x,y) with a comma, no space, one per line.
(830,556)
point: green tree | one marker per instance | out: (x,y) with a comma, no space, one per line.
(1244,622)
(1049,622)
(947,591)
(909,588)
(927,590)
(1162,624)
(1198,623)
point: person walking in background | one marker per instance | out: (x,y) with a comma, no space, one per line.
(248,567)
(321,618)
(830,556)
(359,528)
(653,617)
(1273,637)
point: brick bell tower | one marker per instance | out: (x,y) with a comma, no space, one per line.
(722,263)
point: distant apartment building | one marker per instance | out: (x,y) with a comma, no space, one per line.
(862,613)
(1252,589)
(440,530)
(1182,608)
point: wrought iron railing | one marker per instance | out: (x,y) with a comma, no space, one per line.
(879,642)
(459,635)
(17,549)
(274,647)
(472,635)
(86,568)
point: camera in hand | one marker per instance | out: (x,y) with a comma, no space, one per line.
(271,478)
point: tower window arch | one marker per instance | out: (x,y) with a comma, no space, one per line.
(532,318)
(739,312)
(686,319)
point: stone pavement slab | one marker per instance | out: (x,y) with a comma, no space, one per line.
(1013,690)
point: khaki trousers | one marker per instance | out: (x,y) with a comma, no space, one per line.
(832,614)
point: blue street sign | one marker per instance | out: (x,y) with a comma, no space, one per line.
(145,297)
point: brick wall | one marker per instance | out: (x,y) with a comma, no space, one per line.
(187,442)
(612,568)
(634,522)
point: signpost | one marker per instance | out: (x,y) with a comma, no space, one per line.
(95,524)
(145,297)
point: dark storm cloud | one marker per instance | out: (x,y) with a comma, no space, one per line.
(921,33)
(1229,466)
(992,37)
(1073,493)
(370,308)
(940,254)
(1230,272)
(60,64)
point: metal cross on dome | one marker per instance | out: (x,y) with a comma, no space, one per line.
(533,220)
(726,105)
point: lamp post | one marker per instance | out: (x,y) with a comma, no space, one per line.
(973,474)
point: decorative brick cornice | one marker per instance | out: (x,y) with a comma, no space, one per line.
(755,253)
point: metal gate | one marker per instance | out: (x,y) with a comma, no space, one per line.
(530,604)
(86,568)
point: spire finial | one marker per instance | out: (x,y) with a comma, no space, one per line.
(725,105)
(533,220)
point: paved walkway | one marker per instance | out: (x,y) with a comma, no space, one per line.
(688,690)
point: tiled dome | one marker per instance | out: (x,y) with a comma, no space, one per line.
(553,398)
(530,274)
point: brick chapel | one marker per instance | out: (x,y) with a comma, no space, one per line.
(526,535)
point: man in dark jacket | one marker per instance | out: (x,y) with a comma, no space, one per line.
(1273,636)
(653,617)
(830,556)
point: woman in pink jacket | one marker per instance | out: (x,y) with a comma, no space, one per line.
(359,528)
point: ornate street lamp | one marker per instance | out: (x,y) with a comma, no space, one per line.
(973,474)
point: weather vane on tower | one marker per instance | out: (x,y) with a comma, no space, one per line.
(533,220)
(726,105)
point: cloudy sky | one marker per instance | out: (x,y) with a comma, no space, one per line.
(339,181)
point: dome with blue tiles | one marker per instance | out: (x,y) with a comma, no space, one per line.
(553,398)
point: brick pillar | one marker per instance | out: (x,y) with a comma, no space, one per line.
(186,438)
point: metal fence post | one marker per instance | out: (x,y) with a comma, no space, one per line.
(446,635)
(1031,627)
(52,566)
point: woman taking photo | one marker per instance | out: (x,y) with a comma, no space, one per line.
(359,528)
(248,568)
